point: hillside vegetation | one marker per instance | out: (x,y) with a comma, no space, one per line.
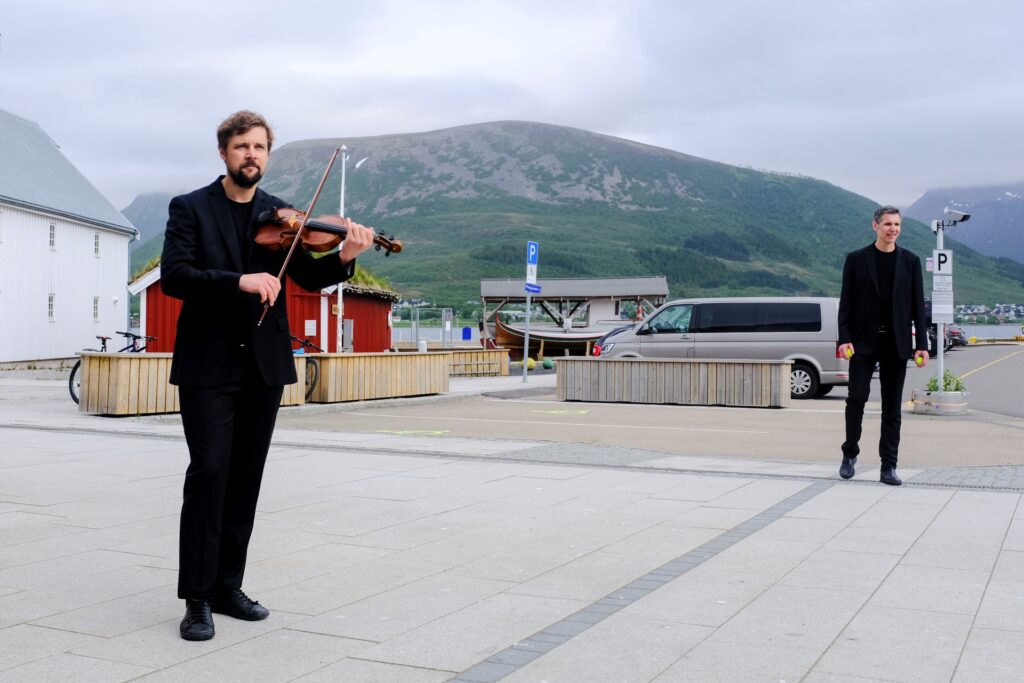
(465,200)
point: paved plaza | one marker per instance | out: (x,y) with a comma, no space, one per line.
(448,539)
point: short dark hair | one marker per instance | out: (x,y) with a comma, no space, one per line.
(882,210)
(239,123)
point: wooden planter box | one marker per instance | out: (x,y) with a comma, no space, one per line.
(479,363)
(746,383)
(139,384)
(365,376)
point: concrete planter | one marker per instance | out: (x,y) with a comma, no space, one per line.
(939,402)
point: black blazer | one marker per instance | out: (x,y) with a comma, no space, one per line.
(203,260)
(859,302)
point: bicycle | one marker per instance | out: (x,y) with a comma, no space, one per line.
(312,364)
(133,346)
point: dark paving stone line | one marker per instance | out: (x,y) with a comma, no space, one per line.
(513,658)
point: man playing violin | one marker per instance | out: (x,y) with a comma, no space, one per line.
(231,371)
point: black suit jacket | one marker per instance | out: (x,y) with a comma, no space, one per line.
(203,260)
(859,306)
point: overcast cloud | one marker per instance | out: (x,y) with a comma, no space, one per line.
(887,99)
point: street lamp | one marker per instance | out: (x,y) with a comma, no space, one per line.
(344,160)
(341,212)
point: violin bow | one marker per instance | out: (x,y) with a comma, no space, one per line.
(298,233)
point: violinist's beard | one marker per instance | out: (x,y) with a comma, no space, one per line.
(244,181)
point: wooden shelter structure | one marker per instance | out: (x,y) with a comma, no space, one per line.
(577,311)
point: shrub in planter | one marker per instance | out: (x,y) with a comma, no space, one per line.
(950,382)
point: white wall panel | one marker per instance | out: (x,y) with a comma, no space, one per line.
(30,270)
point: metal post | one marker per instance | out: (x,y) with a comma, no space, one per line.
(526,336)
(940,330)
(340,331)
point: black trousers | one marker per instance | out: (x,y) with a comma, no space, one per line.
(892,371)
(228,432)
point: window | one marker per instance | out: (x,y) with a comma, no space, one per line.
(49,307)
(759,317)
(96,244)
(95,309)
(672,320)
(53,236)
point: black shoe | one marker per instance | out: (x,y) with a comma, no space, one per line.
(889,477)
(237,604)
(846,469)
(198,621)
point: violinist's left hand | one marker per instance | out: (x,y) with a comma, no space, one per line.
(358,240)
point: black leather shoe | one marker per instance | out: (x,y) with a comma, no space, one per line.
(889,477)
(846,469)
(198,621)
(237,604)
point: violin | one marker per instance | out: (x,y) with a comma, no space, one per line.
(278,228)
(287,230)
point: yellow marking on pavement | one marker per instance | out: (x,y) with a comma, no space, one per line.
(560,424)
(987,365)
(414,432)
(562,412)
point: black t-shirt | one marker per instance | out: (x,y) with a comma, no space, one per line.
(885,264)
(241,214)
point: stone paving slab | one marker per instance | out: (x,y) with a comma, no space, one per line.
(417,564)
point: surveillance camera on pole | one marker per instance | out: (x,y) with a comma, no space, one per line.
(954,218)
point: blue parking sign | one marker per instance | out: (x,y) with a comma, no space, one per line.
(531,253)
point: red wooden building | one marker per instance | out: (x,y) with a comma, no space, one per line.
(312,316)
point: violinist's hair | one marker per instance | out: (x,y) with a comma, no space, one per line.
(239,123)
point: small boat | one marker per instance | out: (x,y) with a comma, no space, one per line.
(549,340)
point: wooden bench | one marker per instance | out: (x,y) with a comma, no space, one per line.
(747,383)
(364,376)
(479,362)
(139,384)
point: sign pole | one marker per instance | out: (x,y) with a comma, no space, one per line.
(532,249)
(526,337)
(942,295)
(941,332)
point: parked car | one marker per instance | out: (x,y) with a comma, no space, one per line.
(605,344)
(932,333)
(804,330)
(957,336)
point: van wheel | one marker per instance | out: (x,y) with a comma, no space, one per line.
(803,381)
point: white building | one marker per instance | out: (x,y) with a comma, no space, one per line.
(63,251)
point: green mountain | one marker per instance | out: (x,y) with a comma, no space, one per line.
(465,200)
(997,217)
(148,213)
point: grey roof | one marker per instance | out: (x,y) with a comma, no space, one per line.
(578,288)
(34,174)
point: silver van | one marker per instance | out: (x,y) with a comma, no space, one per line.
(803,330)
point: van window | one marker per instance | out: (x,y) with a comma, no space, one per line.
(759,317)
(671,320)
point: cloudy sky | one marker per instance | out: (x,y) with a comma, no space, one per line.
(888,99)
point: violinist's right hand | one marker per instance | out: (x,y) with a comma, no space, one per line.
(264,284)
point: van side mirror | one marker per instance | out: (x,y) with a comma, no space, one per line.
(643,329)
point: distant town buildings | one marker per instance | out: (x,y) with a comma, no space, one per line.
(998,314)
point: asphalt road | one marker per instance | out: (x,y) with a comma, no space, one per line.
(808,431)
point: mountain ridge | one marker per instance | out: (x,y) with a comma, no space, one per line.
(996,227)
(465,199)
